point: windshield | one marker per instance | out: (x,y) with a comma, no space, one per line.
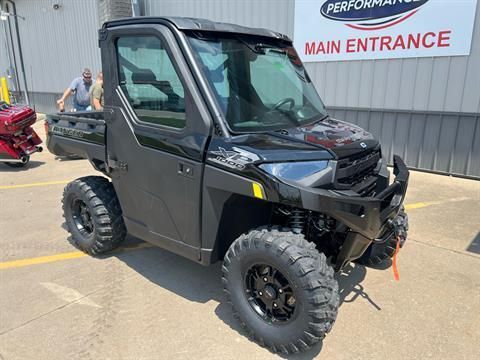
(259,85)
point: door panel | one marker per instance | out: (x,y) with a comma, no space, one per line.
(159,128)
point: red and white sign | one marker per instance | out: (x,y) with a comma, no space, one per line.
(332,30)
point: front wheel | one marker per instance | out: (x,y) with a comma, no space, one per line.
(93,214)
(281,289)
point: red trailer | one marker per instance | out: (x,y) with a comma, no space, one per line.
(17,138)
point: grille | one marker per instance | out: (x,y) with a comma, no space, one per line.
(357,169)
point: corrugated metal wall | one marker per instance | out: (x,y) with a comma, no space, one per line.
(3,51)
(437,141)
(114,9)
(271,14)
(56,44)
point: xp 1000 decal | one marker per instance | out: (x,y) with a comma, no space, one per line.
(234,159)
(333,30)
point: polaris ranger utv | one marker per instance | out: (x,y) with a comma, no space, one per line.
(215,145)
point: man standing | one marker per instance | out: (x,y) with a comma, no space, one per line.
(80,88)
(96,93)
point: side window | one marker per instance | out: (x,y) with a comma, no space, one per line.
(150,82)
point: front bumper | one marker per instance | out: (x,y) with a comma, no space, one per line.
(366,217)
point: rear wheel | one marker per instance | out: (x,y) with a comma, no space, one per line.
(24,161)
(93,215)
(281,289)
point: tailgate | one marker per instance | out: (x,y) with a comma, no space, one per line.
(79,133)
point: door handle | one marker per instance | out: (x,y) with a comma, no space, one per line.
(185,169)
(117,165)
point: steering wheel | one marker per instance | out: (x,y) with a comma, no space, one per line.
(283,102)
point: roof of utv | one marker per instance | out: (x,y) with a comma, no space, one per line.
(184,23)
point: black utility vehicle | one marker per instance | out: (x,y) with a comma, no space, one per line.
(218,147)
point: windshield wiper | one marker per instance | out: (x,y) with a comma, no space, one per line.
(316,120)
(259,48)
(323,118)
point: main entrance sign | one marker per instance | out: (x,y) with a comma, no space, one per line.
(332,30)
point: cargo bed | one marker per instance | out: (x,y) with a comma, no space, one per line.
(80,134)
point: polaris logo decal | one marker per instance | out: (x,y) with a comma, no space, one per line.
(370,14)
(59,130)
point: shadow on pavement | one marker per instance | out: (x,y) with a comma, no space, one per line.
(474,246)
(200,284)
(68,158)
(349,284)
(31,165)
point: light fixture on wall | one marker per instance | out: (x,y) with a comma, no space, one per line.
(56,6)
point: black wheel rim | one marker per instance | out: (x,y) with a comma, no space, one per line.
(269,293)
(82,217)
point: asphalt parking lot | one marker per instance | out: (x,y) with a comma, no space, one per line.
(142,302)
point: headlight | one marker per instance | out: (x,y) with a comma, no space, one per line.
(294,171)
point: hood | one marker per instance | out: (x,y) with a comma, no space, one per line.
(330,133)
(324,140)
(343,138)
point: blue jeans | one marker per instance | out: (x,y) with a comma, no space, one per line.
(79,107)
